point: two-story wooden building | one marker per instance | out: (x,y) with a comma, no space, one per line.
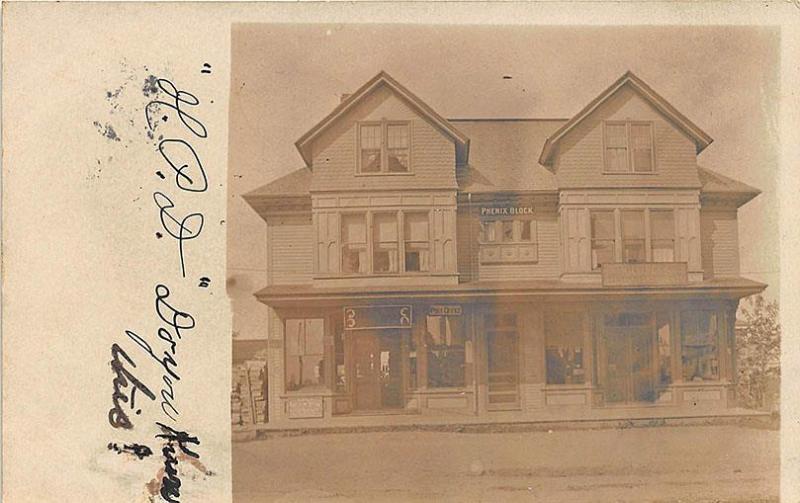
(419,265)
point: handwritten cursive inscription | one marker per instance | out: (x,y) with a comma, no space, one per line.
(171,483)
(118,416)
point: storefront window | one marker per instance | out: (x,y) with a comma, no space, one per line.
(384,242)
(633,237)
(354,243)
(699,345)
(417,242)
(304,354)
(446,351)
(564,348)
(603,241)
(664,349)
(341,373)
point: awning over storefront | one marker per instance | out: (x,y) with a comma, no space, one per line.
(488,291)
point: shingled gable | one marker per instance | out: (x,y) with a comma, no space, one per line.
(700,138)
(384,79)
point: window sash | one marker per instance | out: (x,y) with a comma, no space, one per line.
(384,147)
(628,147)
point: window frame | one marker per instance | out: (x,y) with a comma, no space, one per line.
(614,239)
(715,343)
(629,147)
(496,225)
(366,244)
(384,147)
(324,386)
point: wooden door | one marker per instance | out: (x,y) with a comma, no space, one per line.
(367,371)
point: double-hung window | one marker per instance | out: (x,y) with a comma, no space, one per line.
(417,242)
(603,238)
(662,235)
(628,147)
(354,243)
(384,147)
(384,243)
(633,237)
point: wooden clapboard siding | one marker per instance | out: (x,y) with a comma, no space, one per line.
(580,162)
(548,265)
(335,152)
(290,243)
(720,245)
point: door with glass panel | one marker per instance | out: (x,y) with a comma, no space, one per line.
(503,356)
(378,370)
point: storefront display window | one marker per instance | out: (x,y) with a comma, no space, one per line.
(446,351)
(305,367)
(663,329)
(699,335)
(564,348)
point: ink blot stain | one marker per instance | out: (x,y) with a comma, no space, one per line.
(164,118)
(206,68)
(160,175)
(106,130)
(150,86)
(159,235)
(204,282)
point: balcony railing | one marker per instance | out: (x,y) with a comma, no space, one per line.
(645,274)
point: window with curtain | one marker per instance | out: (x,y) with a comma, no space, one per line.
(370,142)
(417,241)
(305,361)
(633,237)
(384,242)
(699,339)
(397,147)
(603,238)
(354,243)
(664,335)
(662,235)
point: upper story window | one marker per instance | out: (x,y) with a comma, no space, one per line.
(508,240)
(354,243)
(417,242)
(381,253)
(384,147)
(628,147)
(630,241)
(603,238)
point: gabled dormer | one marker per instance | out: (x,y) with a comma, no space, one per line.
(628,136)
(380,137)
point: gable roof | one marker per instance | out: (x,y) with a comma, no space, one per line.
(383,79)
(700,137)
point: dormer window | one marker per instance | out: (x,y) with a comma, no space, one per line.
(628,147)
(384,147)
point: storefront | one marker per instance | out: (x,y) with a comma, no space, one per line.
(480,356)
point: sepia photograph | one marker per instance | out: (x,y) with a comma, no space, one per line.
(504,263)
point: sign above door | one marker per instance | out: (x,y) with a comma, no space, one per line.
(370,317)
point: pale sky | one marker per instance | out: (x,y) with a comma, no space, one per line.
(285,78)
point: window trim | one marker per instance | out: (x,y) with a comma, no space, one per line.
(518,222)
(631,170)
(384,125)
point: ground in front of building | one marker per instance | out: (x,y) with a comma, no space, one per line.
(664,464)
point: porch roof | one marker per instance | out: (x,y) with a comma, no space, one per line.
(291,295)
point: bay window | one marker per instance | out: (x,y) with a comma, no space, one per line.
(305,359)
(699,339)
(384,147)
